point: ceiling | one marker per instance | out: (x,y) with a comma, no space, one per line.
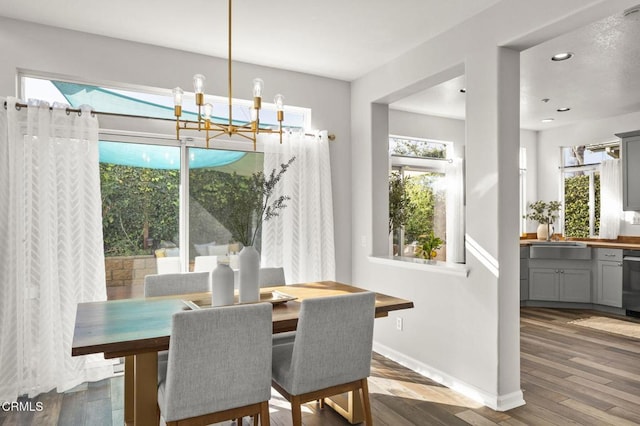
(334,38)
(602,79)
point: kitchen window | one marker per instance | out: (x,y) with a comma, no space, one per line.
(580,187)
(523,190)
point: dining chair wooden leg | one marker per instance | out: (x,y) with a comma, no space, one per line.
(321,401)
(239,421)
(366,403)
(255,420)
(296,410)
(264,414)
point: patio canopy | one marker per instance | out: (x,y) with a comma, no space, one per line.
(163,157)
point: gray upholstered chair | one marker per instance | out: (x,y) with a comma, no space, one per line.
(271,276)
(181,283)
(218,367)
(331,353)
(170,284)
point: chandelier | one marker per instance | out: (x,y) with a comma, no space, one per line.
(212,129)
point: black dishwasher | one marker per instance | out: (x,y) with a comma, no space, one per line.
(631,282)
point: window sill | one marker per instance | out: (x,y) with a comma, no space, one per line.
(437,266)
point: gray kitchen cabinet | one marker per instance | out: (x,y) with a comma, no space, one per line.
(544,284)
(560,281)
(609,277)
(630,150)
(575,285)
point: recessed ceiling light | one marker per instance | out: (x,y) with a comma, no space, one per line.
(463,90)
(547,120)
(563,109)
(563,56)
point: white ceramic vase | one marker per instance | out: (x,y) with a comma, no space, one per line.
(544,231)
(249,275)
(222,285)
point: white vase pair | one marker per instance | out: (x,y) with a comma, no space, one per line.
(222,279)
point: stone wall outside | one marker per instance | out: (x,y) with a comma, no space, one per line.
(128,270)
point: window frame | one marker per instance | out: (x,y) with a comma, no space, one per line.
(401,163)
(163,138)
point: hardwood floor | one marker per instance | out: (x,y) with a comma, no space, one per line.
(569,374)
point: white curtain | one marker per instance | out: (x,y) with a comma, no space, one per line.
(455,211)
(51,256)
(301,238)
(610,199)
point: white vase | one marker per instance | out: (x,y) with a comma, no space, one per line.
(249,275)
(222,285)
(544,231)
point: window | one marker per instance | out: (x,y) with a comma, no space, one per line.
(417,194)
(523,190)
(580,186)
(216,196)
(147,210)
(158,104)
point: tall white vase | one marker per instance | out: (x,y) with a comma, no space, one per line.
(222,285)
(249,275)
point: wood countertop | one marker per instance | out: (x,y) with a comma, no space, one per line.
(596,244)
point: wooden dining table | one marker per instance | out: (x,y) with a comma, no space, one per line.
(137,329)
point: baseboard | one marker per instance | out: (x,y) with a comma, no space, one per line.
(495,402)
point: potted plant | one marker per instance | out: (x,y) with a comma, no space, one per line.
(427,246)
(545,214)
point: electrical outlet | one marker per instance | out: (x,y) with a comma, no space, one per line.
(399,323)
(636,218)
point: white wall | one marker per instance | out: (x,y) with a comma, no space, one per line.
(529,140)
(404,123)
(100,59)
(594,131)
(463,329)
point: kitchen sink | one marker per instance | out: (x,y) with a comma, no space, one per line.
(579,244)
(561,250)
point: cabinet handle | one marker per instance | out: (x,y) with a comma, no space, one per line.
(619,263)
(557,271)
(562,271)
(610,255)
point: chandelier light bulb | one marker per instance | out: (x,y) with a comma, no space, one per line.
(207,111)
(279,101)
(177,96)
(198,83)
(258,84)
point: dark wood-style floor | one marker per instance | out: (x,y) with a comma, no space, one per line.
(571,375)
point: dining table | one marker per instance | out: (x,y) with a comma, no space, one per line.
(137,329)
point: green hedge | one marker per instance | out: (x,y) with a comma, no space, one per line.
(576,206)
(135,198)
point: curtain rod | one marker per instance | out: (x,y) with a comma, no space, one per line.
(330,136)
